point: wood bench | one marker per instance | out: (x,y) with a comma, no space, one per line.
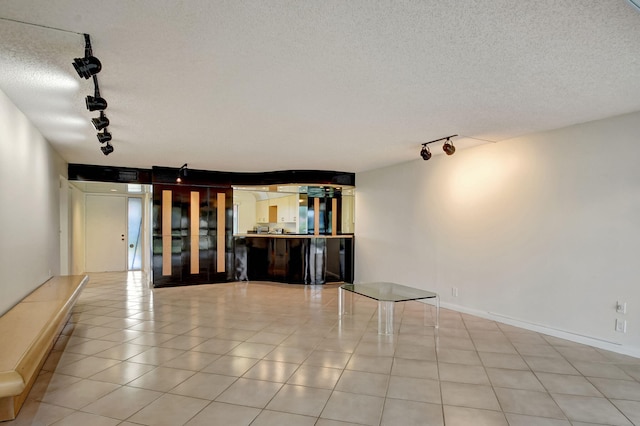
(27,334)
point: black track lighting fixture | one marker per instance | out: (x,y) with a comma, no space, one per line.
(182,173)
(425,152)
(107,149)
(448,147)
(100,122)
(89,65)
(104,136)
(96,102)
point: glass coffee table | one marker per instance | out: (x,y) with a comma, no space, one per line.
(387,294)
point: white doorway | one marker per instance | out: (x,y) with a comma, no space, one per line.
(106,233)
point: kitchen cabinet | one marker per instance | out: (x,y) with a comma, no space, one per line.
(280,210)
(262,211)
(287,209)
(294,207)
(283,209)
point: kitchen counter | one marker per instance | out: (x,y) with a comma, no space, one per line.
(294,258)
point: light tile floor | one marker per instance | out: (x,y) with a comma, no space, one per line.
(274,354)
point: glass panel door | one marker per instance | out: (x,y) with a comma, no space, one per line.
(134,251)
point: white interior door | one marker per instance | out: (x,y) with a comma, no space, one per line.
(106,233)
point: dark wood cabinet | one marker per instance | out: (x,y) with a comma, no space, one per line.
(294,259)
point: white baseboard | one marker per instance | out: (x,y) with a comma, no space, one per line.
(562,334)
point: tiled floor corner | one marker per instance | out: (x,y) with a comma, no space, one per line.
(276,354)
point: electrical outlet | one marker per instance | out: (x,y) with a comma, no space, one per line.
(454,291)
(621,307)
(621,326)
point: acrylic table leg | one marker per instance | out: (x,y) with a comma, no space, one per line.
(437,311)
(345,302)
(427,310)
(436,331)
(426,313)
(385,317)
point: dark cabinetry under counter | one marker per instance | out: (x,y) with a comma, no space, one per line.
(294,259)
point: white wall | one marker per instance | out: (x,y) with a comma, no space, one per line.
(29,206)
(541,230)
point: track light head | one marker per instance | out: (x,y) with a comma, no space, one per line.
(95,103)
(448,147)
(87,66)
(107,149)
(104,136)
(100,122)
(425,153)
(182,173)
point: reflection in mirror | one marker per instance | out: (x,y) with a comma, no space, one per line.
(288,209)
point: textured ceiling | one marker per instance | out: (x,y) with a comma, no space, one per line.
(341,85)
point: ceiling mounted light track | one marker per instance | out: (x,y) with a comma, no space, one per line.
(87,67)
(448,147)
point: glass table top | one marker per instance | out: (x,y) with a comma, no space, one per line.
(388,292)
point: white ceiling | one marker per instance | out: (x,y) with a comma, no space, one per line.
(339,85)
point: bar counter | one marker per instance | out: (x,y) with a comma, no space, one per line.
(294,258)
(266,235)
